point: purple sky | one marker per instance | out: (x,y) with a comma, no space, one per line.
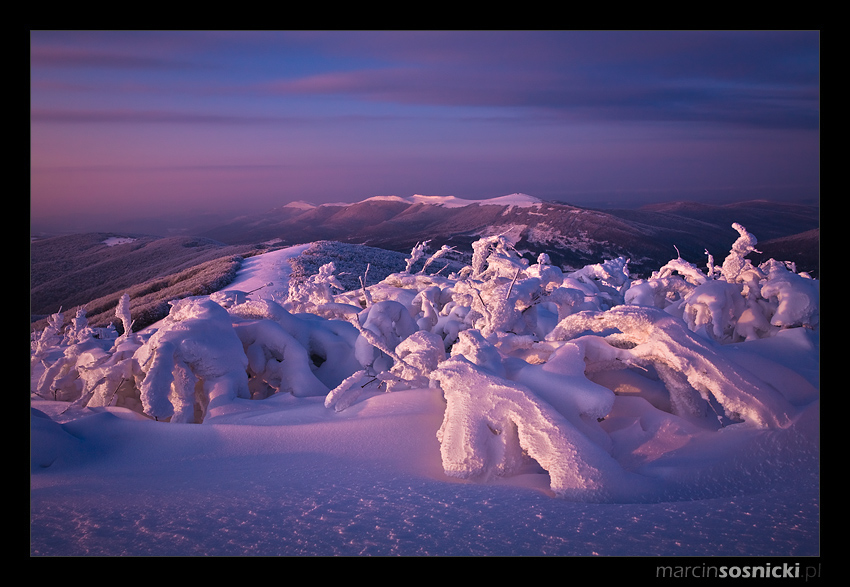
(147,124)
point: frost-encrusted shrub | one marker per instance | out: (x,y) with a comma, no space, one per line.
(792,298)
(122,311)
(112,381)
(61,377)
(277,362)
(502,293)
(328,343)
(193,365)
(610,280)
(69,359)
(417,253)
(492,426)
(418,355)
(691,369)
(382,327)
(735,301)
(309,295)
(496,256)
(46,342)
(736,262)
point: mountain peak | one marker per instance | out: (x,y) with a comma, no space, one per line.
(300,204)
(517,199)
(385,199)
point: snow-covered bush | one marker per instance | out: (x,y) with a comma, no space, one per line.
(498,304)
(44,344)
(277,361)
(659,292)
(309,295)
(493,426)
(87,370)
(61,377)
(193,365)
(122,311)
(736,261)
(357,263)
(417,253)
(694,373)
(714,307)
(608,280)
(344,394)
(383,325)
(792,299)
(419,354)
(68,358)
(442,252)
(112,381)
(328,343)
(735,302)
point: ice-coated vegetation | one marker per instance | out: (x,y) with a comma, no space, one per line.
(518,350)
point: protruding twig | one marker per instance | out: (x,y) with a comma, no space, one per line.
(508,295)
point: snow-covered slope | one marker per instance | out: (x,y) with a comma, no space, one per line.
(362,471)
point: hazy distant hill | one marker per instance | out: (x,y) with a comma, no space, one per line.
(803,249)
(767,220)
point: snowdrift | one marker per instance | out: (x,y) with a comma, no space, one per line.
(612,388)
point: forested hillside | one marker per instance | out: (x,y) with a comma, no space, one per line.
(94,269)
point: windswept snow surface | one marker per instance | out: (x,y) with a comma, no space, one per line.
(267,276)
(288,476)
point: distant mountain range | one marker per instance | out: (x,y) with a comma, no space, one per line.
(96,268)
(572,236)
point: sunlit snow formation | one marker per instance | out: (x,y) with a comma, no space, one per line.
(512,345)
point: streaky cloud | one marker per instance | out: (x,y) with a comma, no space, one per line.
(68,57)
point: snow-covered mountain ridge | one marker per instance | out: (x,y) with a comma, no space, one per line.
(522,200)
(572,236)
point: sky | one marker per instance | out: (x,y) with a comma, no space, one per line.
(143,124)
